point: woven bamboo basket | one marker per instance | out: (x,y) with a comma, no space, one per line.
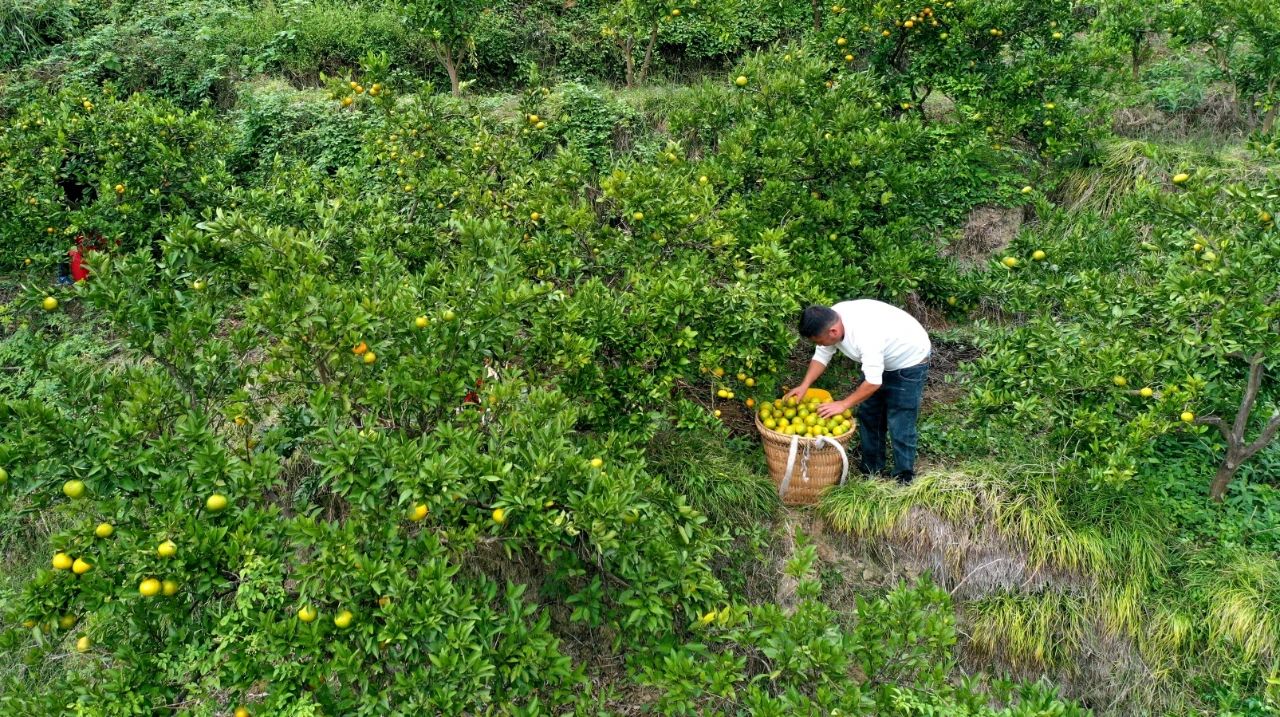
(817,464)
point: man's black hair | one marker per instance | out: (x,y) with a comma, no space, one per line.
(815,320)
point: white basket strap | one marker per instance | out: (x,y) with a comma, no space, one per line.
(844,457)
(791,466)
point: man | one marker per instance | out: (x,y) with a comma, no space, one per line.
(894,350)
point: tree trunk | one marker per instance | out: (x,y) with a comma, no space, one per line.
(1226,471)
(1237,450)
(454,86)
(817,15)
(648,52)
(627,46)
(1136,56)
(1269,120)
(445,54)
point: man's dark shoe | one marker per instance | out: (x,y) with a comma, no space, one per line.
(905,477)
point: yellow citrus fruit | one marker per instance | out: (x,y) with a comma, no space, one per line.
(370,357)
(841,41)
(1181,178)
(167,549)
(597,462)
(534,216)
(104,530)
(448,315)
(1119,381)
(66,622)
(243,712)
(149,587)
(343,619)
(1146,392)
(499,516)
(84,644)
(81,566)
(1188,416)
(1038,255)
(741,81)
(419,512)
(169,587)
(216,503)
(638,216)
(306,613)
(420,322)
(533,119)
(61,561)
(73,488)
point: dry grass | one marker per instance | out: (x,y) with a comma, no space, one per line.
(987,232)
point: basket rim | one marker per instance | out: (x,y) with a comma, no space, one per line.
(814,439)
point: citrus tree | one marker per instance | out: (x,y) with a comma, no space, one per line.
(1016,68)
(447,28)
(1131,25)
(95,164)
(1175,341)
(629,25)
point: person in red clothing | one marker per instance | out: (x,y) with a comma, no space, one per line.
(75,258)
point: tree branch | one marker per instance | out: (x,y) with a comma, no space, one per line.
(1268,433)
(1250,395)
(1215,421)
(648,53)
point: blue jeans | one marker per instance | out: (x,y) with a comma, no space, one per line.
(894,407)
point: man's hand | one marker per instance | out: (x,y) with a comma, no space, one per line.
(827,410)
(797,393)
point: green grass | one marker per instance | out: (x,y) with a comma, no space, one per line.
(715,475)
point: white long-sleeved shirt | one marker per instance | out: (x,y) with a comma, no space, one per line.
(880,336)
